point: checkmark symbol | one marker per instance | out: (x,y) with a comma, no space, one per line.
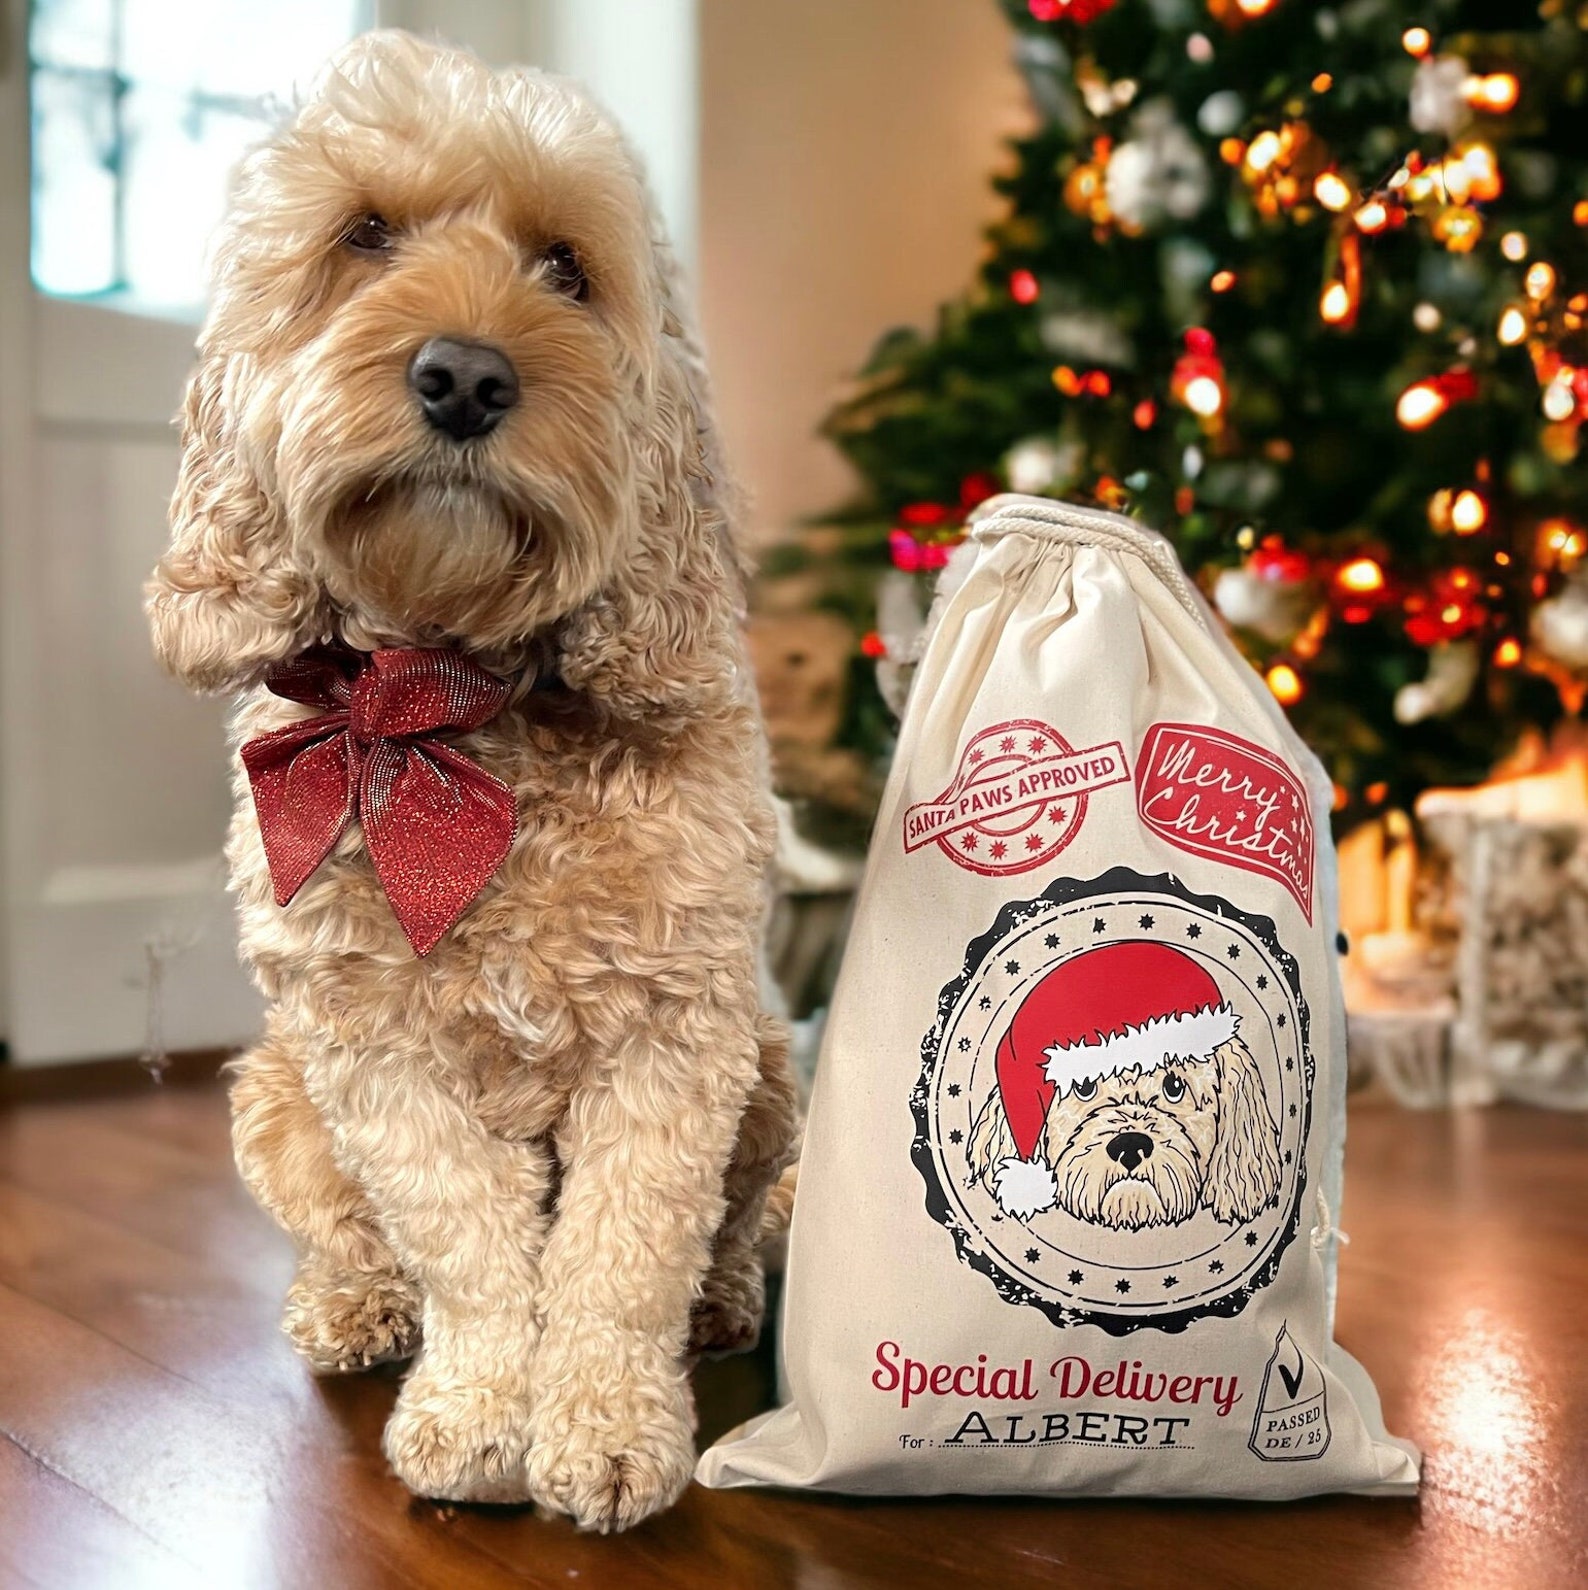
(1292,1380)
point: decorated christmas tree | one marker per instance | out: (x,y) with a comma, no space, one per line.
(1305,287)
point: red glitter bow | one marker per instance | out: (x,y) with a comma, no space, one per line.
(437,826)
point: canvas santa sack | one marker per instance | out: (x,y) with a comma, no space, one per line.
(1065,1218)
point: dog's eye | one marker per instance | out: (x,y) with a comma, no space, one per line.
(564,273)
(1085,1088)
(369,234)
(1174,1087)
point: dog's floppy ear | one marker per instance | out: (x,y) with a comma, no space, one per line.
(1243,1169)
(225,601)
(662,636)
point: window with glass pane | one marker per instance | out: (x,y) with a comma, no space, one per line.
(140,110)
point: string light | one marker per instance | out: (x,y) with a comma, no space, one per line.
(1513,326)
(1420,405)
(1508,653)
(1514,246)
(1361,576)
(1417,42)
(1256,8)
(1332,191)
(1263,151)
(1222,281)
(1579,212)
(1322,83)
(1426,317)
(1335,304)
(1559,402)
(1496,93)
(1204,396)
(1468,513)
(1285,683)
(1373,216)
(1539,281)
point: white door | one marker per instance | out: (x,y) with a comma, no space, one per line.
(113,799)
(115,931)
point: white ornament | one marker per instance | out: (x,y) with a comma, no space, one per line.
(1221,113)
(1031,465)
(1560,626)
(1159,174)
(1438,101)
(1084,336)
(1452,672)
(1277,610)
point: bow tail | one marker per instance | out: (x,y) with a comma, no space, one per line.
(303,783)
(437,827)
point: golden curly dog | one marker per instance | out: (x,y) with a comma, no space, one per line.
(542,1151)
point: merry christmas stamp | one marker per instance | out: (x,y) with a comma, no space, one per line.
(1222,797)
(1017,798)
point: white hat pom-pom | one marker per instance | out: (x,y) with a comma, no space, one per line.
(1024,1187)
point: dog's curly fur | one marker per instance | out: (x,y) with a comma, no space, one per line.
(542,1152)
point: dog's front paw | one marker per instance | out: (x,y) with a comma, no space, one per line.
(459,1443)
(611,1456)
(339,1321)
(727,1318)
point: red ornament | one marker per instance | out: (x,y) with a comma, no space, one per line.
(1451,606)
(925,515)
(976,489)
(436,826)
(1079,11)
(1023,287)
(873,645)
(1273,560)
(914,556)
(1197,380)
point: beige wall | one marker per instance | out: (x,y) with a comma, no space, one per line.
(846,147)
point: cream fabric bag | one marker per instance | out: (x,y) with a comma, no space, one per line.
(1065,1208)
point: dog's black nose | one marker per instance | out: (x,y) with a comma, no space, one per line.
(1130,1148)
(464,388)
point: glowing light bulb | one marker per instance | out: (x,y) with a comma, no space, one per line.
(1514,246)
(1426,317)
(1285,683)
(1482,170)
(1539,281)
(1420,405)
(1560,402)
(1335,304)
(1508,653)
(1023,287)
(1256,8)
(1513,327)
(1263,151)
(1363,576)
(1468,513)
(1579,212)
(1496,93)
(1332,191)
(1373,216)
(1204,396)
(1322,83)
(1417,41)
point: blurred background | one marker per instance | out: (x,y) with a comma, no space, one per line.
(1304,286)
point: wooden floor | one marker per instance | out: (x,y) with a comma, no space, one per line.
(160,1433)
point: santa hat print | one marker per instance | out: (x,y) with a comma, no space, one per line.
(1093,1016)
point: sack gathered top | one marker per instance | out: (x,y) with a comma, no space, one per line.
(1066,1219)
